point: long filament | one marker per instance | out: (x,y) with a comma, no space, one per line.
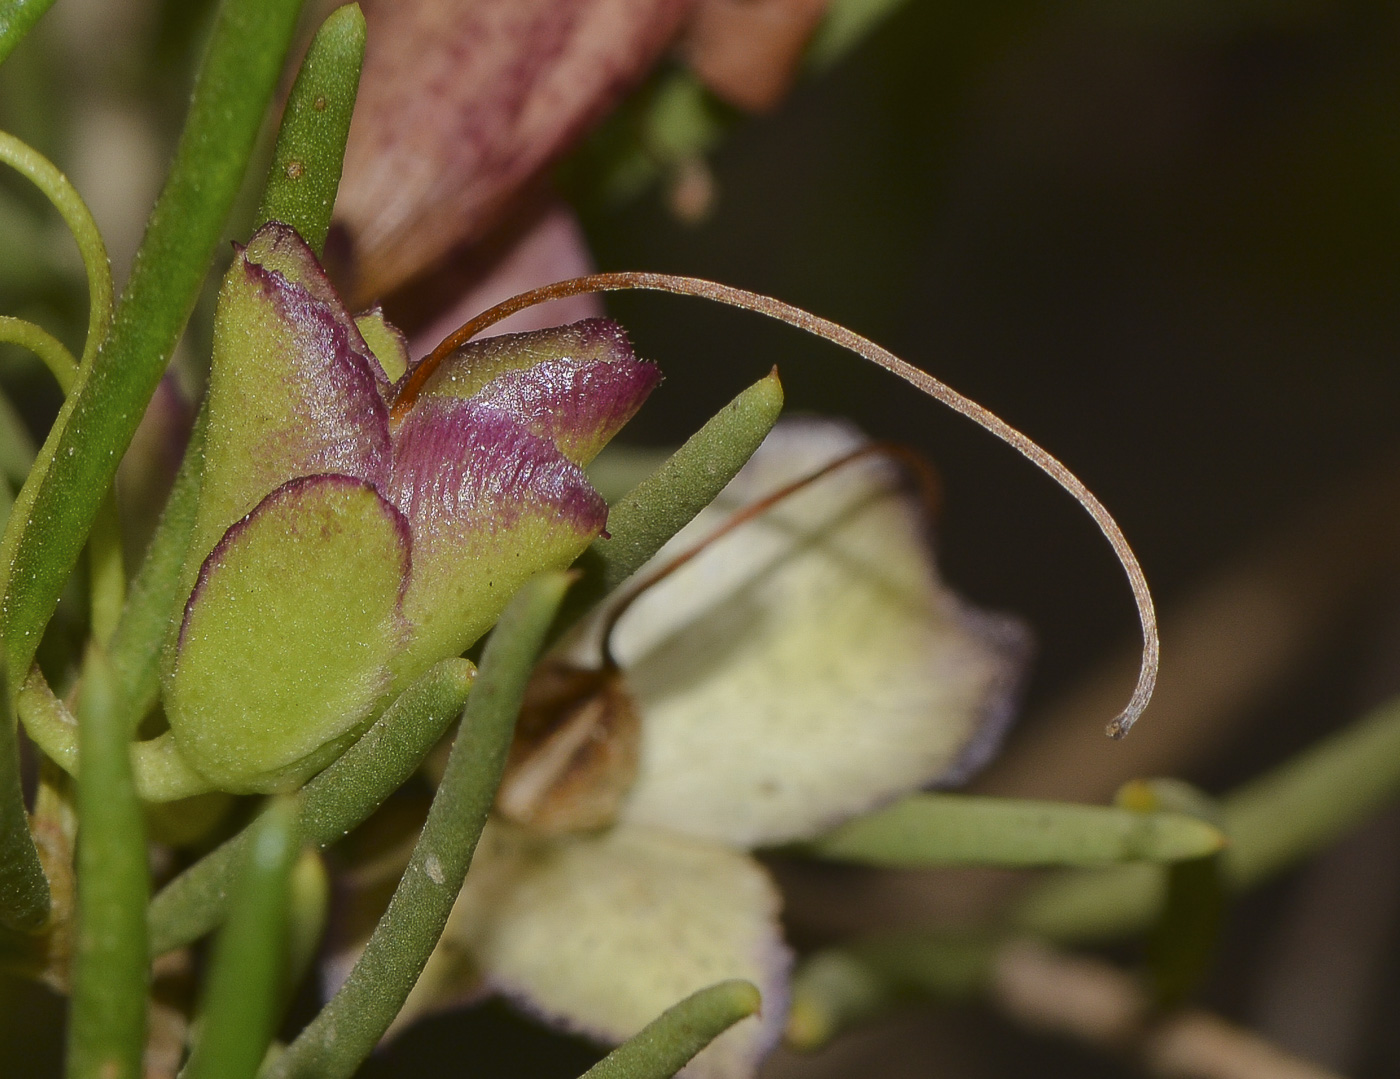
(881,357)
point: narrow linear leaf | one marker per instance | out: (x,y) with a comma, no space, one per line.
(243,990)
(96,424)
(666,1044)
(664,503)
(153,602)
(17,18)
(107,1017)
(305,171)
(348,1028)
(1273,822)
(334,802)
(959,829)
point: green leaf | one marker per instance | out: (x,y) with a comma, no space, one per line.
(17,17)
(333,803)
(305,172)
(1273,822)
(669,1041)
(959,829)
(107,1017)
(24,890)
(661,505)
(243,990)
(96,424)
(333,1044)
(154,601)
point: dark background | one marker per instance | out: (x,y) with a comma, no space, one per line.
(1164,240)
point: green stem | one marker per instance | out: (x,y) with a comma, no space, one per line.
(71,207)
(666,1044)
(60,501)
(54,353)
(243,990)
(17,18)
(345,1032)
(305,172)
(107,1018)
(337,800)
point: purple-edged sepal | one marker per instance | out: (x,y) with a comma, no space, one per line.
(294,389)
(284,654)
(489,505)
(575,385)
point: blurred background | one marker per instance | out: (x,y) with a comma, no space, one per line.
(1163,239)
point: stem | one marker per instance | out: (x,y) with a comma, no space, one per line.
(107,1018)
(333,803)
(666,1044)
(243,991)
(60,501)
(306,165)
(71,207)
(881,357)
(54,353)
(345,1032)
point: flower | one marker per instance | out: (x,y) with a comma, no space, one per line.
(337,554)
(803,669)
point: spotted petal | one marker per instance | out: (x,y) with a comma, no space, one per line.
(283,656)
(575,385)
(601,934)
(489,504)
(294,389)
(810,665)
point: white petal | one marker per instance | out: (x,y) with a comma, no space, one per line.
(600,934)
(810,665)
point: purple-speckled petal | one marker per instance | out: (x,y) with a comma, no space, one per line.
(489,504)
(575,385)
(294,389)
